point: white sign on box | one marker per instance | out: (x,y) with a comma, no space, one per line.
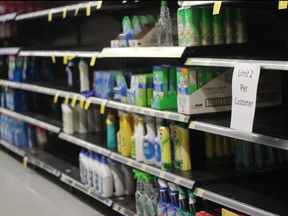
(244,92)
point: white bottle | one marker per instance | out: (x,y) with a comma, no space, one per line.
(98,120)
(90,120)
(82,121)
(97,174)
(85,167)
(84,76)
(149,141)
(107,179)
(67,118)
(76,116)
(118,178)
(81,165)
(139,137)
(90,170)
(129,180)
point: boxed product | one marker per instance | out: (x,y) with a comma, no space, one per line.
(199,93)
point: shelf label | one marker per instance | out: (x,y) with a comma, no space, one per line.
(88,9)
(192,124)
(282,5)
(200,192)
(65,60)
(66,99)
(144,167)
(77,10)
(53,59)
(87,104)
(177,180)
(182,117)
(99,5)
(64,12)
(244,92)
(92,61)
(73,103)
(226,212)
(112,155)
(162,174)
(25,161)
(50,16)
(217,7)
(130,162)
(122,210)
(56,97)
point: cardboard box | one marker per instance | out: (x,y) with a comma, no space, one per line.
(216,95)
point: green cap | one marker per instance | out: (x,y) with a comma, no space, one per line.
(163,3)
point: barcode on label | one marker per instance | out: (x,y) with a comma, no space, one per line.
(212,102)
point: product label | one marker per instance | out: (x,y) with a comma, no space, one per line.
(171,211)
(149,149)
(158,152)
(158,83)
(162,210)
(96,184)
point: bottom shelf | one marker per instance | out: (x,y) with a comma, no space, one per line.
(69,174)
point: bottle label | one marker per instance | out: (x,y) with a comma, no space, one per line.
(149,149)
(162,210)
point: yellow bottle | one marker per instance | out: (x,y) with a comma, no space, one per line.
(127,133)
(166,159)
(120,132)
(184,145)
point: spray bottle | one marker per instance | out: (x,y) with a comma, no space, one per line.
(84,76)
(148,195)
(111,132)
(133,138)
(139,138)
(67,118)
(127,132)
(192,203)
(120,132)
(139,193)
(172,208)
(183,202)
(158,143)
(164,198)
(183,138)
(165,147)
(149,141)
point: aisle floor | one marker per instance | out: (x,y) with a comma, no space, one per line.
(24,192)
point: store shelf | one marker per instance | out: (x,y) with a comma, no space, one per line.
(270,127)
(217,62)
(148,111)
(49,53)
(58,10)
(8,17)
(143,52)
(263,195)
(127,206)
(12,148)
(91,142)
(9,50)
(38,120)
(194,3)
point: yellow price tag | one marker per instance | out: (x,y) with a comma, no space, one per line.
(177,180)
(50,16)
(182,117)
(64,12)
(82,103)
(162,174)
(217,7)
(92,61)
(66,99)
(88,9)
(71,57)
(102,108)
(144,167)
(25,161)
(112,155)
(116,206)
(76,10)
(73,103)
(56,97)
(99,5)
(192,124)
(226,212)
(87,104)
(200,192)
(130,162)
(53,59)
(122,211)
(282,5)
(65,60)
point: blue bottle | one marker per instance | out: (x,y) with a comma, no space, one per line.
(111,131)
(164,198)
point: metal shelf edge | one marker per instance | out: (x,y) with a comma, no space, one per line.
(12,148)
(122,210)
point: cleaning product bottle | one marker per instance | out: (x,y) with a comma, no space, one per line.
(90,170)
(149,141)
(81,165)
(139,192)
(164,26)
(133,138)
(129,181)
(139,138)
(85,166)
(120,132)
(83,121)
(148,196)
(76,118)
(127,132)
(172,208)
(97,122)
(84,76)
(106,179)
(67,118)
(164,198)
(183,138)
(165,147)
(118,178)
(97,180)
(192,203)
(183,202)
(111,132)
(70,70)
(158,143)
(172,126)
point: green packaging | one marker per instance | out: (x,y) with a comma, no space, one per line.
(143,21)
(141,92)
(181,26)
(229,25)
(172,81)
(217,29)
(206,25)
(192,26)
(202,76)
(126,25)
(240,23)
(149,84)
(136,25)
(150,18)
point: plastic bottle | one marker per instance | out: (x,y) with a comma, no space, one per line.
(118,178)
(31,136)
(139,193)
(149,141)
(106,179)
(165,147)
(184,145)
(120,132)
(41,137)
(67,118)
(84,76)
(70,70)
(183,202)
(81,165)
(133,138)
(139,137)
(164,198)
(129,181)
(82,121)
(192,203)
(172,208)
(111,131)
(158,143)
(85,167)
(148,196)
(97,180)
(90,170)
(98,120)
(164,26)
(127,132)
(76,116)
